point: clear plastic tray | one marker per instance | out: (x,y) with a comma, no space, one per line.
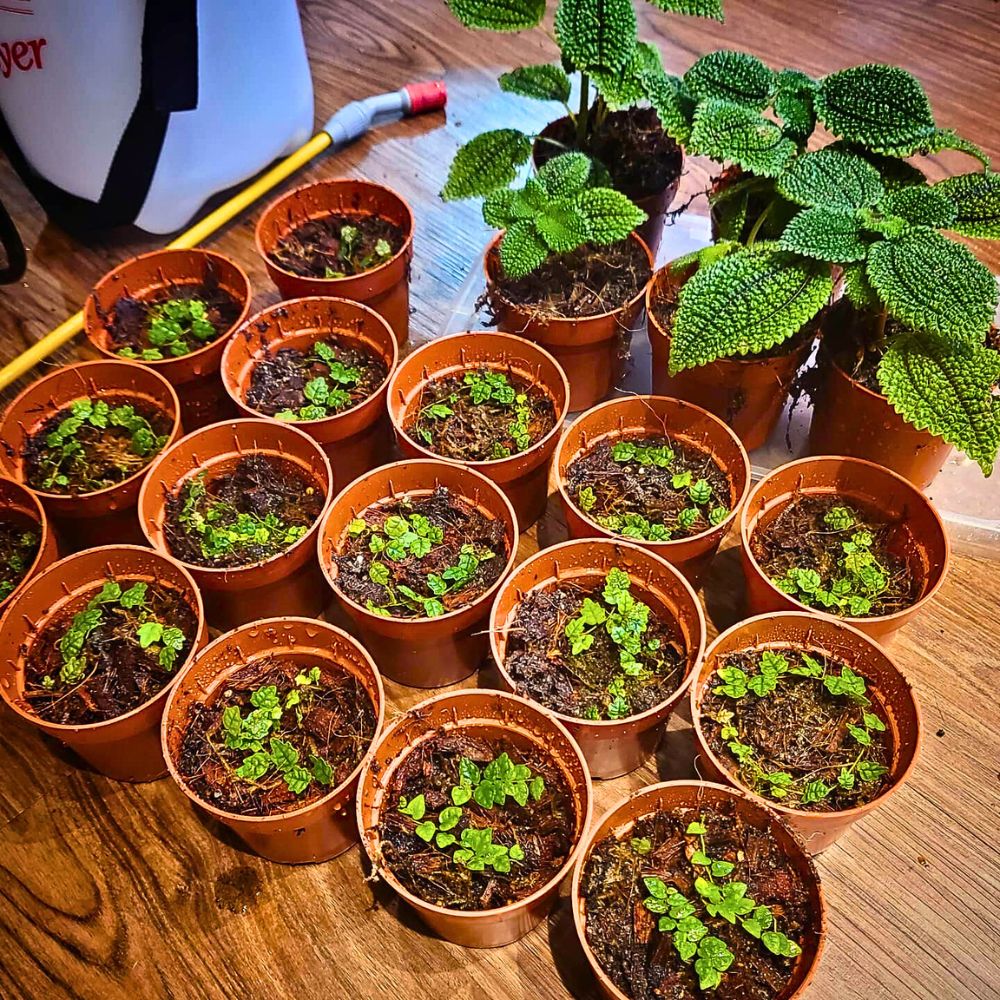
(968,502)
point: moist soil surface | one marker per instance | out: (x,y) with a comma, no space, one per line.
(800,537)
(543,827)
(631,498)
(331,718)
(19,541)
(641,959)
(539,657)
(279,381)
(316,250)
(249,513)
(120,675)
(588,281)
(480,431)
(106,459)
(798,729)
(467,537)
(641,158)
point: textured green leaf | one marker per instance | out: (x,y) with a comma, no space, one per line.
(731,76)
(831,178)
(565,175)
(825,234)
(625,87)
(498,15)
(609,215)
(797,112)
(874,104)
(933,284)
(673,105)
(731,216)
(562,227)
(488,162)
(504,207)
(696,8)
(596,34)
(522,250)
(895,173)
(976,198)
(730,133)
(544,83)
(931,141)
(747,302)
(858,288)
(946,390)
(921,206)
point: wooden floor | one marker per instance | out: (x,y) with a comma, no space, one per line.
(110,890)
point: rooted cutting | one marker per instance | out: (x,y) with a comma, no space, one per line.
(338,246)
(18,548)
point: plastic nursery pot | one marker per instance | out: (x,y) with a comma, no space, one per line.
(326,827)
(105,516)
(920,537)
(845,644)
(126,748)
(356,439)
(194,375)
(747,393)
(288,583)
(683,422)
(588,348)
(611,747)
(679,794)
(489,714)
(20,508)
(523,477)
(385,288)
(419,652)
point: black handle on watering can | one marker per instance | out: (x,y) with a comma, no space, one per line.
(17,261)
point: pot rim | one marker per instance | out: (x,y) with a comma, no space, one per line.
(172,434)
(856,812)
(45,535)
(402,252)
(231,636)
(492,463)
(91,304)
(327,565)
(598,725)
(167,690)
(284,553)
(746,534)
(723,527)
(526,901)
(695,786)
(232,386)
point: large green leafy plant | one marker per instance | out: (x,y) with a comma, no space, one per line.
(789,216)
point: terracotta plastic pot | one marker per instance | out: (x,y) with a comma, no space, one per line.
(419,652)
(679,794)
(385,288)
(326,827)
(886,685)
(356,439)
(489,714)
(681,421)
(921,537)
(289,583)
(587,348)
(21,508)
(524,478)
(612,747)
(106,516)
(126,748)
(193,375)
(747,393)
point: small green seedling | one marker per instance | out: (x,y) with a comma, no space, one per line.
(173,325)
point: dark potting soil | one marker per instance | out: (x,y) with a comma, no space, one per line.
(19,541)
(285,382)
(641,158)
(482,415)
(588,281)
(320,248)
(590,684)
(627,485)
(643,960)
(110,673)
(856,562)
(91,457)
(542,826)
(812,740)
(280,735)
(244,515)
(420,557)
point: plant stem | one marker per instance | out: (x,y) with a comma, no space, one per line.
(584,112)
(760,222)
